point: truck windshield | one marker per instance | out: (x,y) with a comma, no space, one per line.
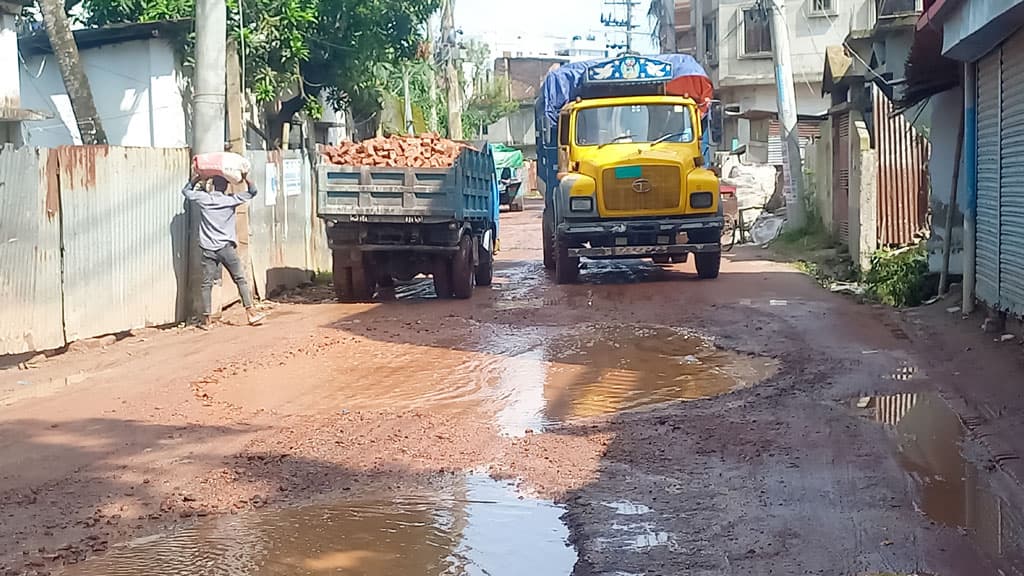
(636,123)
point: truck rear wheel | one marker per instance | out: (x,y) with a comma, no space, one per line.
(548,230)
(567,269)
(708,264)
(443,277)
(352,283)
(485,268)
(462,269)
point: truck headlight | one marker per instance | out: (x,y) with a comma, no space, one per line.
(581,204)
(702,200)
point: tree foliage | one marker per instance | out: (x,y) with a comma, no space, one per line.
(301,47)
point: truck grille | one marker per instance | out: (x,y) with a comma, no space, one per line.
(664,190)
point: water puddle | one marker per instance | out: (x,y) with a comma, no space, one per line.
(477,526)
(599,370)
(951,490)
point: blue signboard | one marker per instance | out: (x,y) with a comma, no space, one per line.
(630,69)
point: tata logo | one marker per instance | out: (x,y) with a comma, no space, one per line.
(642,186)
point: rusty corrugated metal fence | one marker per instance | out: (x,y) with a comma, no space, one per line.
(31,310)
(94,240)
(903,156)
(125,238)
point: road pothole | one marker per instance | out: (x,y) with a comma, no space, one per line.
(949,489)
(474,526)
(598,370)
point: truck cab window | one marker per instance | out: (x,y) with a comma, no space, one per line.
(633,124)
(563,130)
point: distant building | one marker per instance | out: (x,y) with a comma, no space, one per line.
(524,77)
(734,44)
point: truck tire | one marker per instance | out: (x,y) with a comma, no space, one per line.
(485,267)
(567,269)
(708,264)
(548,231)
(443,277)
(462,269)
(517,205)
(662,259)
(351,283)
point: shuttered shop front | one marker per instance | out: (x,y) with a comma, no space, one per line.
(1000,176)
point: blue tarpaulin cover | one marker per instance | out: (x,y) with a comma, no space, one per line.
(565,83)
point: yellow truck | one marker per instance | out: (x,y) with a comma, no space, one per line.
(620,159)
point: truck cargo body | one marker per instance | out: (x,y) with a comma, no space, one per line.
(388,223)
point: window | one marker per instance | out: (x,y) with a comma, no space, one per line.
(563,130)
(822,7)
(633,124)
(710,43)
(757,32)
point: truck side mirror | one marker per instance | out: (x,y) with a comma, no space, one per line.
(715,122)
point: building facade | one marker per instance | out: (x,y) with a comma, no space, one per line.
(136,80)
(734,44)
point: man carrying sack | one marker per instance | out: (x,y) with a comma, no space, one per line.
(220,183)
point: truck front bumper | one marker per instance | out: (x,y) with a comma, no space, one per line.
(639,238)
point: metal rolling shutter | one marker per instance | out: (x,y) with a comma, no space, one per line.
(1011,177)
(987,286)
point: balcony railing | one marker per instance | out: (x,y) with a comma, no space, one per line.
(893,8)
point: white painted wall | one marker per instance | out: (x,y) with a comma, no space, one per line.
(9,91)
(137,89)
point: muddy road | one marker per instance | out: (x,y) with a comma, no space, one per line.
(640,422)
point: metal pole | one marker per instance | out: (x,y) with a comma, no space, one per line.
(629,25)
(971,205)
(409,128)
(792,166)
(947,245)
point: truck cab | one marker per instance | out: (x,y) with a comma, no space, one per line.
(623,172)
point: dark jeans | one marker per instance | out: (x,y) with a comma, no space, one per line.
(212,261)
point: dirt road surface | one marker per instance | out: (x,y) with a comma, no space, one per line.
(640,422)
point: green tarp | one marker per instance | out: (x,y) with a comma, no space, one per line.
(506,157)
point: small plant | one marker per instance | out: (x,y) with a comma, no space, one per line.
(899,278)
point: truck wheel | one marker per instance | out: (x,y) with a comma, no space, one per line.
(548,230)
(462,269)
(516,206)
(662,259)
(485,268)
(351,283)
(708,264)
(567,269)
(443,277)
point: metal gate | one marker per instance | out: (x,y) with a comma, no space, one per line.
(987,266)
(1000,176)
(841,176)
(1011,176)
(902,175)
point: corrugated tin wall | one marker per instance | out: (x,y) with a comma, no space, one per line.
(125,238)
(808,130)
(987,265)
(902,175)
(281,221)
(1011,190)
(122,222)
(31,310)
(841,176)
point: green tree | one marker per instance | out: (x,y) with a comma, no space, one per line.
(318,46)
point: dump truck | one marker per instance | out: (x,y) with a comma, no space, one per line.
(394,222)
(621,166)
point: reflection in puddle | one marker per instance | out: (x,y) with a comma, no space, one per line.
(627,508)
(950,490)
(476,527)
(600,370)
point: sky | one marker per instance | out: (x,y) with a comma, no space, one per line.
(544,20)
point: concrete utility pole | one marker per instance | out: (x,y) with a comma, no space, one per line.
(451,48)
(76,83)
(208,105)
(433,74)
(667,27)
(792,166)
(211,54)
(407,103)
